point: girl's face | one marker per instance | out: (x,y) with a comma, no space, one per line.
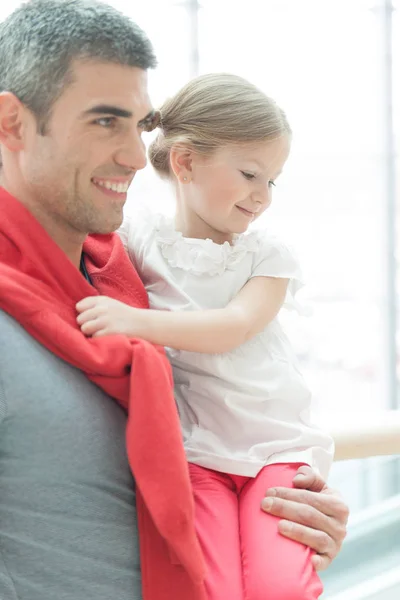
(229,190)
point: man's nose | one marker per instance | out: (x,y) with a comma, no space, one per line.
(133,153)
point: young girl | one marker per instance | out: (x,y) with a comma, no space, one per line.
(216,291)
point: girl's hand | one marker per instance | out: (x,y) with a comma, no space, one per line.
(100,315)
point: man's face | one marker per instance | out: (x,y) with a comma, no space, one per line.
(79,172)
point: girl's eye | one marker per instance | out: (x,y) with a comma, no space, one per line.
(106,122)
(247,175)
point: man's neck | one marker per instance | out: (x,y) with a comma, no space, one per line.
(69,240)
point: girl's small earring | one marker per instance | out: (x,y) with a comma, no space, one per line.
(185,179)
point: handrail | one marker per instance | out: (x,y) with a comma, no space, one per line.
(374,434)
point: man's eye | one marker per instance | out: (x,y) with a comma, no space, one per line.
(248,175)
(106,122)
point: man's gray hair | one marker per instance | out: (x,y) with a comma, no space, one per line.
(40,40)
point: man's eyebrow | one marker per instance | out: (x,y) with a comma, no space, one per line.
(105,109)
(148,123)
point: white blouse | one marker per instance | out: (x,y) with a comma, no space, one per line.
(243,409)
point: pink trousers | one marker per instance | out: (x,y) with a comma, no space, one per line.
(246,556)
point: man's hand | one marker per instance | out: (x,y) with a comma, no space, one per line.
(100,315)
(312,514)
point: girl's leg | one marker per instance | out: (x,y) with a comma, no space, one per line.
(217,525)
(274,567)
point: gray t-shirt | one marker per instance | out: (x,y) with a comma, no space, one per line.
(67,501)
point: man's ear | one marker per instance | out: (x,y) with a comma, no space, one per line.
(181,161)
(11,122)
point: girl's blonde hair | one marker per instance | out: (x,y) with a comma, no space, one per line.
(213,111)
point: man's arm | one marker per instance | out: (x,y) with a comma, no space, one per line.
(312,514)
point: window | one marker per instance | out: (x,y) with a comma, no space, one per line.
(327,64)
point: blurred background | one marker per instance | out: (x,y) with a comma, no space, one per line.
(333,66)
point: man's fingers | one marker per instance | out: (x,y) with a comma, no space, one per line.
(297,511)
(307,478)
(328,504)
(310,523)
(320,563)
(319,541)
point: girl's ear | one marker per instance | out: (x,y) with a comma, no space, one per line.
(181,161)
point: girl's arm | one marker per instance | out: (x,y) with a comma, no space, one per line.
(210,331)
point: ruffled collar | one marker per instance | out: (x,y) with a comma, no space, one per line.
(201,256)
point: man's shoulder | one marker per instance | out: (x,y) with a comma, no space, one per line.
(26,366)
(14,339)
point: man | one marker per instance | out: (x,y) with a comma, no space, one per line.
(73,106)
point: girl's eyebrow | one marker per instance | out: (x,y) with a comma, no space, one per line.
(262,166)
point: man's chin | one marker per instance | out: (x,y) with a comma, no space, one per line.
(107,226)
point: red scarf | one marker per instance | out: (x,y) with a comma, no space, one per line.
(39,287)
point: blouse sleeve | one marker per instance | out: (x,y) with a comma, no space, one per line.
(129,239)
(134,234)
(276,259)
(123,231)
(137,235)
